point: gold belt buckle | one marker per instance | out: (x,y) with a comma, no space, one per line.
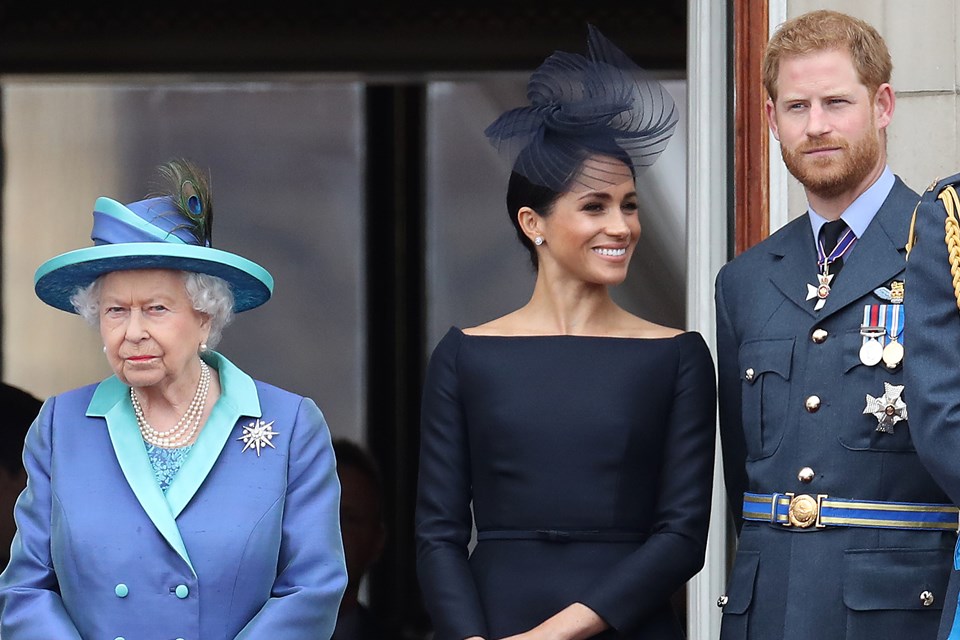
(804,510)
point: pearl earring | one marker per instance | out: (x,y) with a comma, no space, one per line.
(538,240)
(203,347)
(104,348)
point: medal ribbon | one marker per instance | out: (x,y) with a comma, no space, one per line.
(846,241)
(873,318)
(894,314)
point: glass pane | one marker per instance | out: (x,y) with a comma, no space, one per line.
(286,162)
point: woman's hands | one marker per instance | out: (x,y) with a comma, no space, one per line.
(576,622)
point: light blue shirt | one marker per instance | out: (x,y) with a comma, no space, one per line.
(861,211)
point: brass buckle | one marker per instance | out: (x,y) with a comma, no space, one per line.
(804,510)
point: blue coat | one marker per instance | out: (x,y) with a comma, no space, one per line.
(792,395)
(240,546)
(932,367)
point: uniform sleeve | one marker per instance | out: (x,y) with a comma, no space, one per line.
(30,603)
(732,442)
(311,573)
(932,344)
(443,518)
(675,550)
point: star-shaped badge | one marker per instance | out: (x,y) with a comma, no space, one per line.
(888,409)
(258,435)
(820,292)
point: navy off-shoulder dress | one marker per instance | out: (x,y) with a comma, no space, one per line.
(588,465)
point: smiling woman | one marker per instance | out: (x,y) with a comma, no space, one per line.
(590,231)
(146,466)
(576,437)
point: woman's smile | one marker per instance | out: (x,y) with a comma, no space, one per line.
(608,252)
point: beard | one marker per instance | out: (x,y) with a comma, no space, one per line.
(829,178)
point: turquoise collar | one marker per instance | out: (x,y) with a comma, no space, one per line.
(236,389)
(111,401)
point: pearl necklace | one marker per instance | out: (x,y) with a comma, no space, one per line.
(188,424)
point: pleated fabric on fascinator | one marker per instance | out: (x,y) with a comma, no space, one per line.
(600,106)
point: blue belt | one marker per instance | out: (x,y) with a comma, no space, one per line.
(821,511)
(562,535)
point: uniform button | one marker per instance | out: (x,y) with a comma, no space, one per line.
(926,598)
(722,601)
(182,591)
(749,374)
(820,335)
(121,590)
(812,404)
(806,475)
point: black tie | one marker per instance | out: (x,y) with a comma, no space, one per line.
(830,235)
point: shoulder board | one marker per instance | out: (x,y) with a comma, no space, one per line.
(938,199)
(938,185)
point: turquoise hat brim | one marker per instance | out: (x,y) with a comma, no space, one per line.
(57,279)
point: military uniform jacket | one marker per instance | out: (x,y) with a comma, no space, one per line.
(240,546)
(932,370)
(791,399)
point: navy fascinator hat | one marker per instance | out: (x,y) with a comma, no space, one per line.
(580,107)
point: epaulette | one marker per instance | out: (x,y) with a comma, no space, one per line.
(942,193)
(942,189)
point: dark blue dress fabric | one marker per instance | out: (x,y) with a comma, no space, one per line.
(588,462)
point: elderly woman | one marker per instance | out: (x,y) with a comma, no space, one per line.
(178,498)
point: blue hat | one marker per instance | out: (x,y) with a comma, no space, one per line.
(150,234)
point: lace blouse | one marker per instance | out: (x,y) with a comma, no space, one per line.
(166,462)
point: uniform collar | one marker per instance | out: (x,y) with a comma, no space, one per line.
(862,210)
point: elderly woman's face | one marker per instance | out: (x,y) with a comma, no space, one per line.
(149,327)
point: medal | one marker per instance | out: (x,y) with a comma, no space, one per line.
(893,354)
(893,351)
(821,290)
(873,331)
(888,409)
(881,330)
(871,352)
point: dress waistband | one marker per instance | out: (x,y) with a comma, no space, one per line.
(562,535)
(821,511)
